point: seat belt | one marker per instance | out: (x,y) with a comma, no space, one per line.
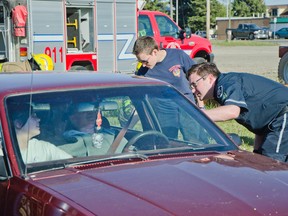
(120,135)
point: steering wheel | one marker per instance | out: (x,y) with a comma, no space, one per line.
(148,140)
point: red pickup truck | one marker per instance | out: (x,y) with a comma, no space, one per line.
(169,35)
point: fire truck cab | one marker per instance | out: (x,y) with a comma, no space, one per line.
(76,34)
(169,35)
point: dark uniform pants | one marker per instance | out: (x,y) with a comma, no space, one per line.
(276,141)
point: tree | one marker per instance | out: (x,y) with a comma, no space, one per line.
(196,10)
(192,13)
(156,5)
(248,8)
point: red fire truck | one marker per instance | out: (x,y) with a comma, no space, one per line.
(88,34)
(76,34)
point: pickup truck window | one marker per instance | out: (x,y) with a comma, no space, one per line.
(254,26)
(166,26)
(145,27)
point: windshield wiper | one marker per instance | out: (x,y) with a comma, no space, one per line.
(36,168)
(126,156)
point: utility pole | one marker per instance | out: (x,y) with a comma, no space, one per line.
(227,6)
(208,20)
(229,22)
(171,9)
(177,7)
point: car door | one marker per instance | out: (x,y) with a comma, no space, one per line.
(282,33)
(239,30)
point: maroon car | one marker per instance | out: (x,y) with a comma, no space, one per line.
(110,144)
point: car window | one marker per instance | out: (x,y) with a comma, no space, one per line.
(144,26)
(72,125)
(166,26)
(120,116)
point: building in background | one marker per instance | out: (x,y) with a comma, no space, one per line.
(276,17)
(276,8)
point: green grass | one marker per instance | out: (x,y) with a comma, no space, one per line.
(243,43)
(246,136)
(232,126)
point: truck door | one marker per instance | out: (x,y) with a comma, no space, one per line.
(163,29)
(168,32)
(116,33)
(144,26)
(244,31)
(80,38)
(47,30)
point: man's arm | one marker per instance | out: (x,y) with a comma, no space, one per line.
(223,113)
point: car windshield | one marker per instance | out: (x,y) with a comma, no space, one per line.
(72,126)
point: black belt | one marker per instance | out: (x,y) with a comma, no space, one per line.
(283,111)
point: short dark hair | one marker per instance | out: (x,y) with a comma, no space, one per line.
(202,69)
(20,112)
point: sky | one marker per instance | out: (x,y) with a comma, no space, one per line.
(267,2)
(276,2)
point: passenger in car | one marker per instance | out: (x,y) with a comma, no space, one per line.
(26,125)
(84,136)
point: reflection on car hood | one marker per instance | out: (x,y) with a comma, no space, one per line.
(221,184)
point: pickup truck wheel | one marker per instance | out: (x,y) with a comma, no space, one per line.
(283,69)
(251,37)
(199,60)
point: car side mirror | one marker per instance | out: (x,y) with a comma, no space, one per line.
(181,34)
(188,32)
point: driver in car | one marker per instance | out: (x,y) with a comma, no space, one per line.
(88,132)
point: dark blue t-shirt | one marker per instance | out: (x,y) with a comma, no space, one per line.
(259,98)
(173,70)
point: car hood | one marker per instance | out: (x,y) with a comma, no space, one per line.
(219,184)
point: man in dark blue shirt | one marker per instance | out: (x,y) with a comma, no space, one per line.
(169,65)
(259,104)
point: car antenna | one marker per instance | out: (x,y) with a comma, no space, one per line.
(30,112)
